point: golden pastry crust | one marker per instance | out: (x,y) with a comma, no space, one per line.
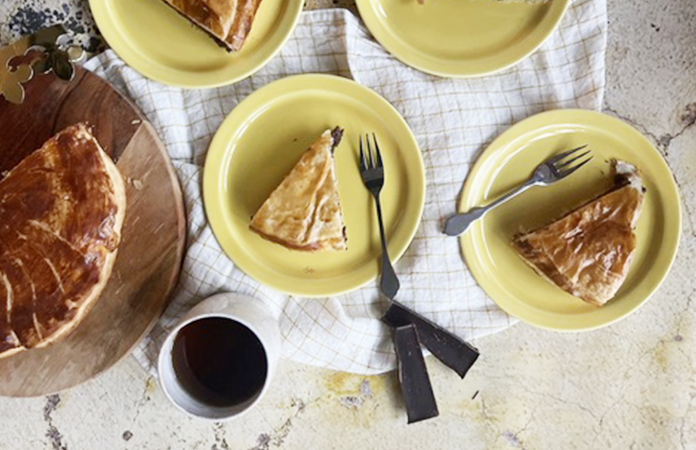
(227,21)
(244,18)
(63,208)
(304,212)
(588,252)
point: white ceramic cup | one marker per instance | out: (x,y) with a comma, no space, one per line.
(243,309)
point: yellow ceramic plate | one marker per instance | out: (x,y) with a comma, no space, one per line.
(263,138)
(460,38)
(510,160)
(162,45)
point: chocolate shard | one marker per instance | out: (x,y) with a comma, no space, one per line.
(445,346)
(413,375)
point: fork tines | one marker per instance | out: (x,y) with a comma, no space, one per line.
(370,161)
(565,166)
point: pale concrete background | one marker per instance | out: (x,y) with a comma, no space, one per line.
(629,386)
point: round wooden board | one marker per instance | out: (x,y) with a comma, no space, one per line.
(149,256)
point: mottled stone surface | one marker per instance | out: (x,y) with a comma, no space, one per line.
(22,17)
(629,386)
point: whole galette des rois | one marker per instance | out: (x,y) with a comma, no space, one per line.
(62,210)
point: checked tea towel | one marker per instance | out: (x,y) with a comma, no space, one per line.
(453,120)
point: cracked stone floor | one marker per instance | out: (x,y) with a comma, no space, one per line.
(629,386)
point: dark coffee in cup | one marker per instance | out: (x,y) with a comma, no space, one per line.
(219,361)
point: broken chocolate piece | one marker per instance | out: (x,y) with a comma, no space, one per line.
(445,346)
(413,375)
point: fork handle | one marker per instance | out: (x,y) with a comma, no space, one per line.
(388,283)
(459,223)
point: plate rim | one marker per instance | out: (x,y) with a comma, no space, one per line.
(401,51)
(573,115)
(110,30)
(217,151)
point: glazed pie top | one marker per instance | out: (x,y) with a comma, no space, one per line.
(588,252)
(304,211)
(228,21)
(62,210)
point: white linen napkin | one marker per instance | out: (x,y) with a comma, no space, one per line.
(453,120)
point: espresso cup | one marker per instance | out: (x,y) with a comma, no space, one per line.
(218,362)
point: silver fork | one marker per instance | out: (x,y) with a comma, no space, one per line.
(553,169)
(372,173)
